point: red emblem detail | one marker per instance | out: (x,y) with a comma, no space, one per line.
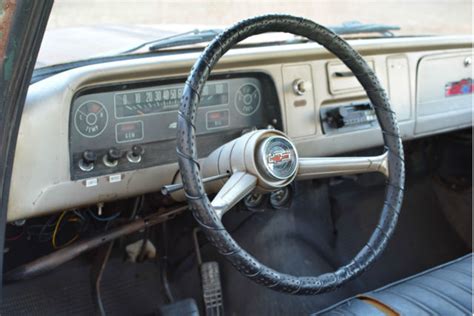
(279,157)
(464,86)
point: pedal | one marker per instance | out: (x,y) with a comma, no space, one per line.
(186,307)
(212,289)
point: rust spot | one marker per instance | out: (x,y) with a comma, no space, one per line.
(6,16)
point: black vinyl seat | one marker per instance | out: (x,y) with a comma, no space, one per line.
(443,290)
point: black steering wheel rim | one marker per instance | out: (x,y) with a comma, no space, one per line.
(192,179)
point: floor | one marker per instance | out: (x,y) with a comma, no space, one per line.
(324,227)
(128,289)
(324,231)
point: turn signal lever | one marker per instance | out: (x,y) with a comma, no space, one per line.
(170,188)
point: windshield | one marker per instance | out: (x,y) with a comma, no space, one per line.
(84,29)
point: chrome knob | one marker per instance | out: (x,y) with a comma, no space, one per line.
(468,61)
(112,157)
(135,155)
(88,159)
(299,86)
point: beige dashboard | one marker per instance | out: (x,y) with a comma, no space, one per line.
(414,71)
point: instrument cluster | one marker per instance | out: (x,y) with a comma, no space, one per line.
(133,125)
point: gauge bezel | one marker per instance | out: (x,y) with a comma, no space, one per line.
(162,87)
(76,112)
(162,151)
(131,140)
(259,99)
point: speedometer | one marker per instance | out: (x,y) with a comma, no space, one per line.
(90,119)
(247,99)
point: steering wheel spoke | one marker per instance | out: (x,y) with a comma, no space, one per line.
(239,185)
(321,167)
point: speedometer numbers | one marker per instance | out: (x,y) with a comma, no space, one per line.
(90,119)
(247,99)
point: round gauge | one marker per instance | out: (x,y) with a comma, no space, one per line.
(247,99)
(90,119)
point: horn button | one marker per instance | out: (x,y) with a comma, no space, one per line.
(277,158)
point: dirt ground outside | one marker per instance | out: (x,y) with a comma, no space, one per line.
(80,29)
(414,16)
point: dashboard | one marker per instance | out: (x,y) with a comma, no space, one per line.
(104,132)
(133,125)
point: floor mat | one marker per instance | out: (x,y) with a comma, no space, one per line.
(325,226)
(127,289)
(423,237)
(299,240)
(311,238)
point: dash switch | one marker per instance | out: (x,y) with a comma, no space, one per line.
(299,100)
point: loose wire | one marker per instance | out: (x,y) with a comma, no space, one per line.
(78,214)
(42,235)
(137,206)
(55,232)
(103,219)
(16,237)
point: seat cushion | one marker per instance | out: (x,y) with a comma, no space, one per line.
(443,290)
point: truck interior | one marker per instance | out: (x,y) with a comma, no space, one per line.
(274,165)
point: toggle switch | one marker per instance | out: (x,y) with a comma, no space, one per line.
(112,157)
(88,159)
(135,155)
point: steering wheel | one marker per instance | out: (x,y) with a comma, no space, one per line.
(267,160)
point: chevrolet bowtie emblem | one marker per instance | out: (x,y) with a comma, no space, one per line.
(279,157)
